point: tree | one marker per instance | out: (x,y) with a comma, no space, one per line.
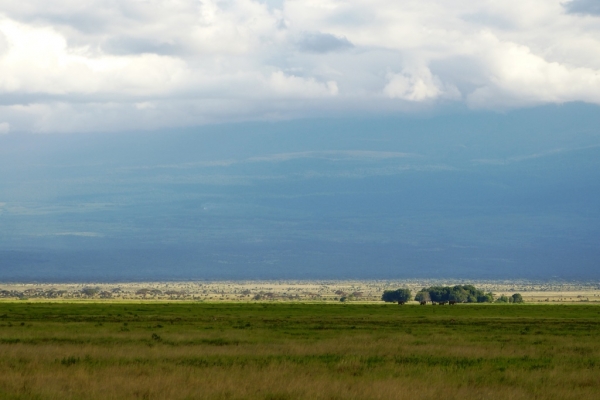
(423,295)
(503,299)
(486,298)
(438,293)
(398,295)
(517,298)
(88,291)
(143,292)
(459,294)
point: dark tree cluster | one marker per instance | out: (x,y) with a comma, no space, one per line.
(400,296)
(458,293)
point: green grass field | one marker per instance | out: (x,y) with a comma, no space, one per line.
(293,351)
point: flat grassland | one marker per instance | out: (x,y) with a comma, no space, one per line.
(286,291)
(159,350)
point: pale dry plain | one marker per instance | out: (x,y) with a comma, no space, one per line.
(284,291)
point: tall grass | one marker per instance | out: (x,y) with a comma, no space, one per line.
(295,351)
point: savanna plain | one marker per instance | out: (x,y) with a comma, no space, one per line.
(296,350)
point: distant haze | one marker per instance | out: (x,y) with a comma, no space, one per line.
(463,195)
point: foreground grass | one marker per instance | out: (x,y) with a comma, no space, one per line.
(289,351)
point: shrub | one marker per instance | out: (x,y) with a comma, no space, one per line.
(517,298)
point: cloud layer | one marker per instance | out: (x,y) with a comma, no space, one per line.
(115,64)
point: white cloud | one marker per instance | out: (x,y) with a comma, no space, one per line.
(117,64)
(418,85)
(518,77)
(4,128)
(39,61)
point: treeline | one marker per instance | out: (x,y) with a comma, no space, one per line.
(441,294)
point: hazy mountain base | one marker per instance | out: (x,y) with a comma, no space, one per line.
(317,291)
(467,196)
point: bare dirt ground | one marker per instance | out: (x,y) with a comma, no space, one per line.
(306,291)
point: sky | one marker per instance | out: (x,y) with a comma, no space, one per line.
(145,140)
